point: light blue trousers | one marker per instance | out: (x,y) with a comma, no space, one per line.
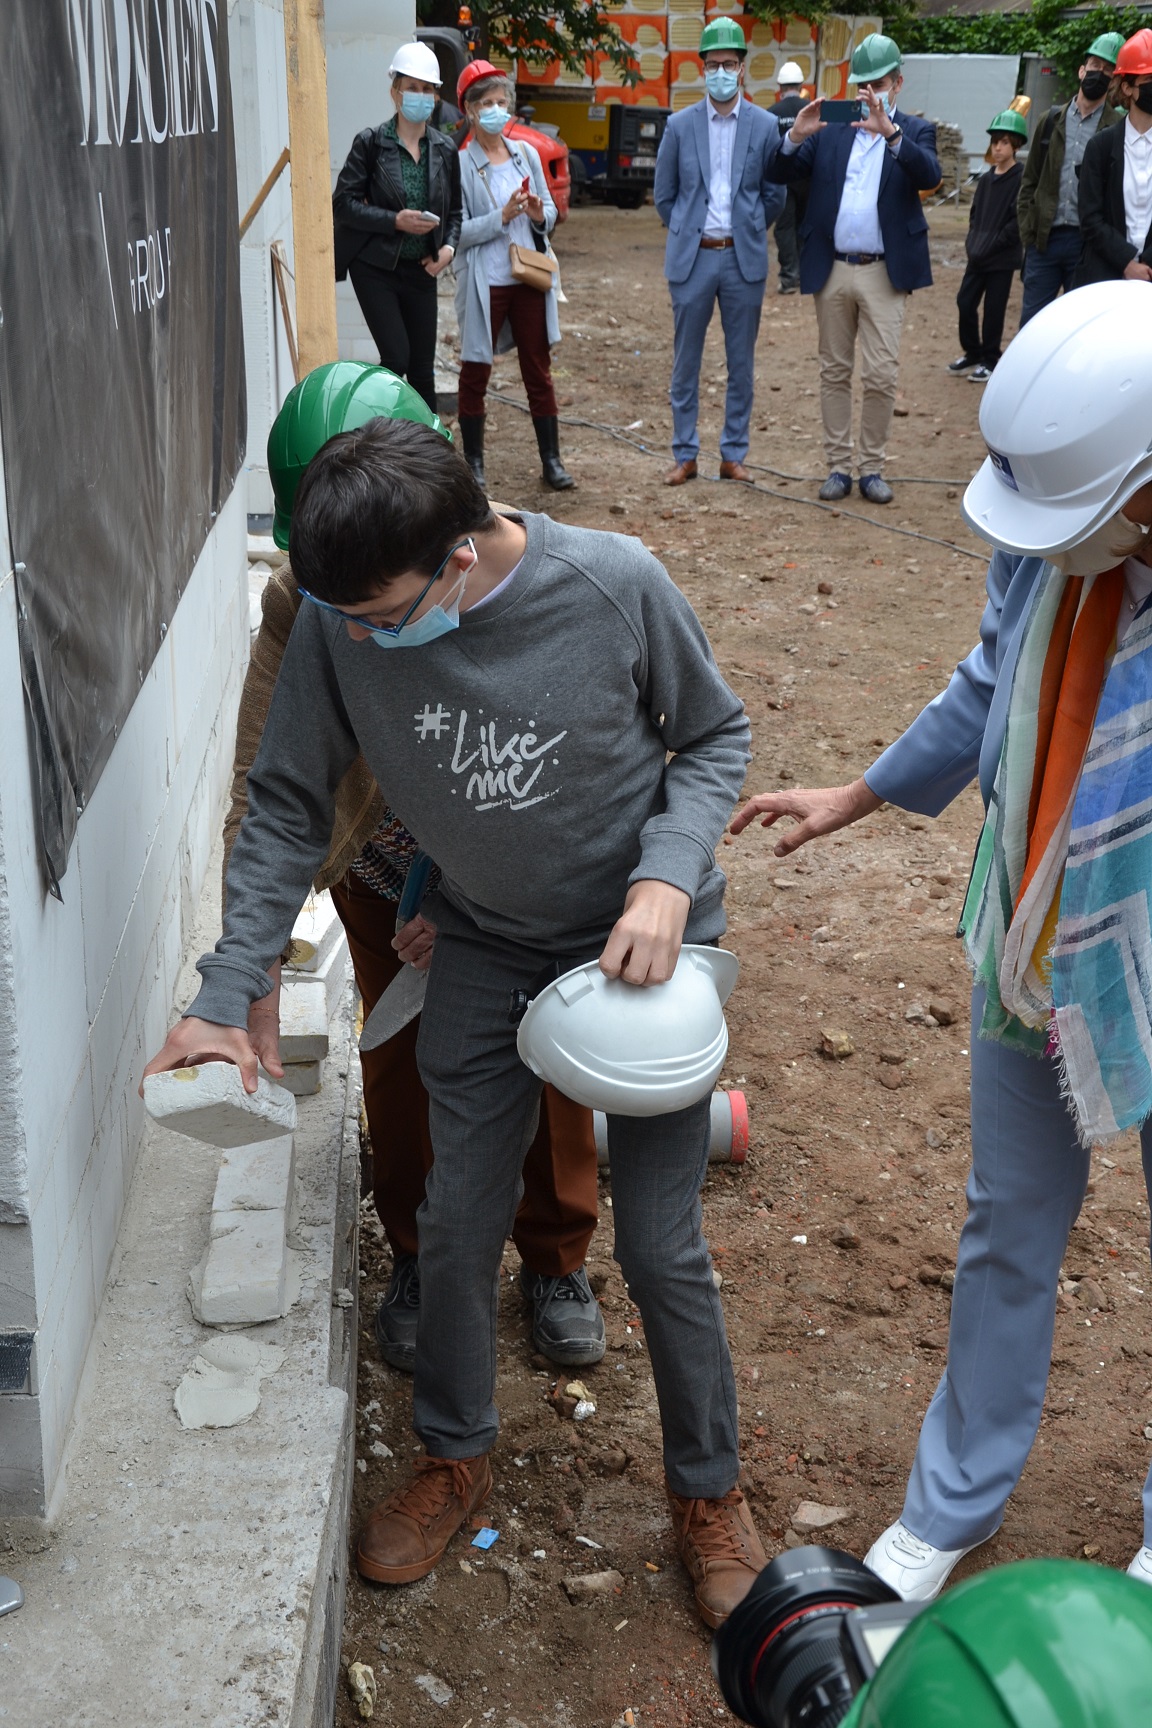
(1027,1183)
(714,279)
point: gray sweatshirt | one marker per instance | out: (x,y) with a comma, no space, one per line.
(528,751)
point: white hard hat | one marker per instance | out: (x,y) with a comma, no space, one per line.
(789,73)
(630,1049)
(1067,418)
(416,60)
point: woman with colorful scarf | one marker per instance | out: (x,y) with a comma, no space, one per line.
(1053,712)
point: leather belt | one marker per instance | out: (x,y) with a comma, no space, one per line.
(859,257)
(716,245)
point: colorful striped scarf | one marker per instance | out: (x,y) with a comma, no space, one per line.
(1057,923)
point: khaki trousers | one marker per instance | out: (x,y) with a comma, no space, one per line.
(858,298)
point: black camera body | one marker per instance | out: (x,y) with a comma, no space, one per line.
(813,1628)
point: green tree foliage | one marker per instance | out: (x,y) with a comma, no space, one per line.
(570,31)
(1042,29)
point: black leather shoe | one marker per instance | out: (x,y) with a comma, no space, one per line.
(836,487)
(876,489)
(472,438)
(397,1315)
(567,1325)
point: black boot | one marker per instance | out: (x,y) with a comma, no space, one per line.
(472,438)
(548,438)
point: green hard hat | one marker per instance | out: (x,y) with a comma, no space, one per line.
(1106,47)
(334,398)
(1009,121)
(723,33)
(1038,1644)
(873,58)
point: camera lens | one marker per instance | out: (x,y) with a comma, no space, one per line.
(778,1659)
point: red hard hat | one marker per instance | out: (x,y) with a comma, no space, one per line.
(477,69)
(1135,58)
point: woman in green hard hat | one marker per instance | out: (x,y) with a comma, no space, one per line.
(365,870)
(993,247)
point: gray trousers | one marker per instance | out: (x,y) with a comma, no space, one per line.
(1029,1174)
(714,279)
(483,1109)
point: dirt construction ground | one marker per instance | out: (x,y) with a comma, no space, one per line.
(836,1238)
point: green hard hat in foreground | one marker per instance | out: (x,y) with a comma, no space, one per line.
(1106,47)
(875,57)
(334,398)
(723,33)
(1010,121)
(1038,1644)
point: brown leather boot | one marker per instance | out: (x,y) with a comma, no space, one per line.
(406,1534)
(717,1541)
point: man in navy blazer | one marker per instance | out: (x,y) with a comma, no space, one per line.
(715,198)
(863,249)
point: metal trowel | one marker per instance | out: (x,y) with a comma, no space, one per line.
(404,997)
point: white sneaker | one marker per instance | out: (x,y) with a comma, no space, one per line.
(914,1569)
(1141,1567)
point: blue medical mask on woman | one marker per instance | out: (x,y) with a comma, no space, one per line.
(439,620)
(416,106)
(721,84)
(494,119)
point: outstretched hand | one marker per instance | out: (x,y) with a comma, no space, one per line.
(816,811)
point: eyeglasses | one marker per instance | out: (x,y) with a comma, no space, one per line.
(365,623)
(722,65)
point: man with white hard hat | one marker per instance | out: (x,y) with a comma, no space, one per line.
(397,212)
(548,719)
(789,101)
(1052,712)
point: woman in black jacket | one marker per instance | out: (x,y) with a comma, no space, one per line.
(994,252)
(1116,179)
(397,213)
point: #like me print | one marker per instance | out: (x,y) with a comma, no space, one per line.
(501,768)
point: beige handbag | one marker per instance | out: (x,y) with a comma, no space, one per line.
(530,268)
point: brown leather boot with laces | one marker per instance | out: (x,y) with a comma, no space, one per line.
(717,1541)
(406,1534)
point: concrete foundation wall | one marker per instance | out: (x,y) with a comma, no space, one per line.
(90,984)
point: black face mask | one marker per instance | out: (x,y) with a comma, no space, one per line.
(1094,85)
(1144,98)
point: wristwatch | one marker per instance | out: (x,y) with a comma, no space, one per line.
(895,135)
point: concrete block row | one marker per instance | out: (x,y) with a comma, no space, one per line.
(244,1279)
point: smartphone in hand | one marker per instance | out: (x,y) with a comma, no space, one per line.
(843,113)
(430,216)
(526,185)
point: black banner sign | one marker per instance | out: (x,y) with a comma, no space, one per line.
(121,356)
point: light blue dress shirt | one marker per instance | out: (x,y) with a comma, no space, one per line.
(721,136)
(858,219)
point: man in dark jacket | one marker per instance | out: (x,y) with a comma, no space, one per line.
(1116,180)
(1048,206)
(787,105)
(993,247)
(863,249)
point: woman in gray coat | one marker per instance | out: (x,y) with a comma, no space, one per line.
(506,202)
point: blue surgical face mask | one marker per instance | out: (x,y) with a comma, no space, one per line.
(721,84)
(416,107)
(439,620)
(494,119)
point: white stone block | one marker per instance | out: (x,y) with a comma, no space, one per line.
(256,1178)
(303,1079)
(333,972)
(245,1277)
(316,932)
(209,1103)
(303,1021)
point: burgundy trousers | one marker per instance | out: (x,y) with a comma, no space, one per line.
(524,308)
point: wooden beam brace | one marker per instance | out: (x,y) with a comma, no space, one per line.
(311,182)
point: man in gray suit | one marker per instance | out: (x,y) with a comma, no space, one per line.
(714,198)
